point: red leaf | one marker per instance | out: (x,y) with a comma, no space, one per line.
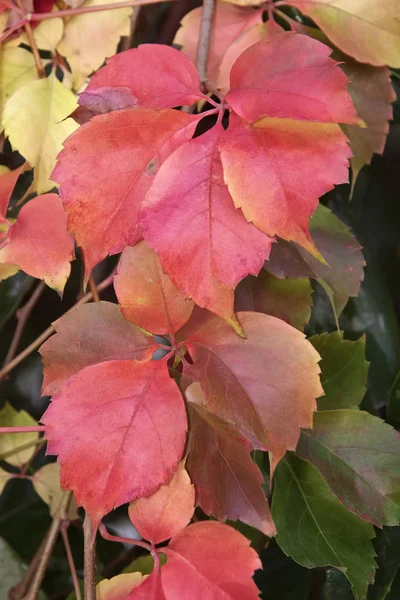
(188,217)
(168,511)
(298,81)
(127,420)
(265,385)
(211,560)
(276,169)
(147,296)
(105,170)
(150,589)
(7,184)
(87,335)
(228,483)
(39,243)
(151,76)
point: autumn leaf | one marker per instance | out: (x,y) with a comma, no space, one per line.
(46,482)
(91,38)
(169,80)
(9,417)
(118,587)
(47,34)
(227,481)
(234,30)
(7,184)
(284,130)
(365,30)
(38,242)
(212,560)
(287,299)
(87,335)
(17,68)
(128,419)
(149,588)
(146,295)
(5,477)
(315,529)
(344,370)
(34,121)
(265,385)
(203,242)
(118,153)
(342,277)
(166,512)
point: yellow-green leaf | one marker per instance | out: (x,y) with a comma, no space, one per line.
(17,68)
(91,38)
(35,120)
(118,587)
(9,417)
(46,482)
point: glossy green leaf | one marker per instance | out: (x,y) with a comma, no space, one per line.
(387,581)
(315,529)
(358,455)
(344,370)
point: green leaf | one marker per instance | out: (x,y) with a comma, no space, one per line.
(358,455)
(12,291)
(9,417)
(315,529)
(387,581)
(287,299)
(344,370)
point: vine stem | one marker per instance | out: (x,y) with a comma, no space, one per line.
(116,538)
(70,558)
(203,48)
(18,591)
(50,330)
(32,43)
(23,315)
(36,429)
(70,12)
(89,559)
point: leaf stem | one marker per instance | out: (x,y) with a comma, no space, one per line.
(93,289)
(89,9)
(70,558)
(89,559)
(203,48)
(116,538)
(50,330)
(32,43)
(18,591)
(37,428)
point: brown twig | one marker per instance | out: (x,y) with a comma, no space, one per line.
(70,558)
(203,48)
(32,43)
(93,289)
(50,330)
(18,591)
(23,315)
(89,9)
(89,559)
(48,547)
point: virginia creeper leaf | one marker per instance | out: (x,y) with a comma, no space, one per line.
(315,529)
(17,67)
(35,120)
(147,296)
(227,481)
(46,482)
(151,76)
(387,581)
(287,299)
(166,512)
(365,30)
(149,589)
(211,559)
(7,184)
(299,82)
(265,384)
(267,163)
(90,38)
(118,587)
(9,417)
(87,335)
(47,34)
(203,242)
(117,153)
(341,251)
(5,477)
(344,370)
(128,420)
(233,31)
(358,455)
(38,242)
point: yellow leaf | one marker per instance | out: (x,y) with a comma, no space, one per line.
(7,271)
(119,586)
(46,482)
(48,34)
(4,478)
(91,38)
(367,30)
(9,417)
(17,68)
(34,121)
